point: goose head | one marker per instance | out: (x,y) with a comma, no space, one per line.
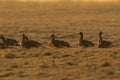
(2,37)
(24,37)
(53,37)
(81,35)
(100,33)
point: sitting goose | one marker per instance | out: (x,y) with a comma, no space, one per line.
(59,43)
(102,43)
(83,42)
(29,43)
(8,42)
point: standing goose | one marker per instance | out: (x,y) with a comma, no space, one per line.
(8,42)
(83,42)
(102,43)
(29,43)
(59,43)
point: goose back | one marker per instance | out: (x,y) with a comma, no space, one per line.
(59,43)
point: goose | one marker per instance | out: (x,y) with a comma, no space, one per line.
(59,43)
(8,42)
(103,43)
(83,42)
(29,43)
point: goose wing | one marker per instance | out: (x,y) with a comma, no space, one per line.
(34,43)
(87,43)
(106,44)
(26,45)
(59,43)
(12,42)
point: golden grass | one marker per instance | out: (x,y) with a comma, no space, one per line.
(66,20)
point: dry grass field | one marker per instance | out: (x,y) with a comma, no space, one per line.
(65,20)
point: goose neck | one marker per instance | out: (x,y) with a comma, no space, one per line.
(2,38)
(81,37)
(100,38)
(53,38)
